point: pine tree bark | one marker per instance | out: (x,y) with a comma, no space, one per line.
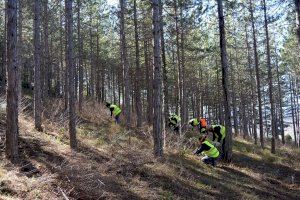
(47,64)
(98,66)
(259,97)
(65,74)
(71,67)
(157,83)
(37,66)
(4,55)
(253,98)
(80,67)
(296,110)
(61,44)
(293,110)
(138,102)
(280,102)
(233,97)
(228,139)
(165,96)
(20,51)
(12,125)
(184,105)
(297,5)
(92,63)
(178,75)
(270,79)
(125,64)
(149,80)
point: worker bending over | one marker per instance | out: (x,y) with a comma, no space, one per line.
(200,124)
(210,152)
(114,110)
(219,133)
(174,122)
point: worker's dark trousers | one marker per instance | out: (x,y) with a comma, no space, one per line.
(209,160)
(174,127)
(223,149)
(117,118)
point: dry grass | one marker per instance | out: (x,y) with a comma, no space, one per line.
(114,163)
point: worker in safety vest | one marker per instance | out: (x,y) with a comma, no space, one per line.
(114,110)
(210,152)
(201,124)
(174,122)
(219,133)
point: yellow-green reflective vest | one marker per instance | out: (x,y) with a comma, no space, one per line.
(173,117)
(212,152)
(195,122)
(116,110)
(202,130)
(223,131)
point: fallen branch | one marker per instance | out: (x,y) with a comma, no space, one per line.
(64,195)
(101,182)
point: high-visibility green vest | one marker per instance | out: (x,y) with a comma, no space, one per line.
(174,118)
(194,122)
(212,152)
(116,110)
(202,130)
(223,130)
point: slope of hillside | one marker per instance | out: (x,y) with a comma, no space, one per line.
(113,163)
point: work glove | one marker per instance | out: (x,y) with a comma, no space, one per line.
(195,152)
(216,144)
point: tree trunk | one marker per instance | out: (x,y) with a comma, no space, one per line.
(280,102)
(270,77)
(259,97)
(98,66)
(149,80)
(253,99)
(37,67)
(228,139)
(20,52)
(65,75)
(233,96)
(12,125)
(297,4)
(47,64)
(178,75)
(80,47)
(293,109)
(157,83)
(92,63)
(138,102)
(124,55)
(71,67)
(243,115)
(165,96)
(296,110)
(184,105)
(4,55)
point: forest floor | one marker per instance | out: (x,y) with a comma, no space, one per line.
(112,163)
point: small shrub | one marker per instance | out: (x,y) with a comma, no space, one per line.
(288,138)
(167,195)
(100,141)
(62,130)
(268,156)
(183,152)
